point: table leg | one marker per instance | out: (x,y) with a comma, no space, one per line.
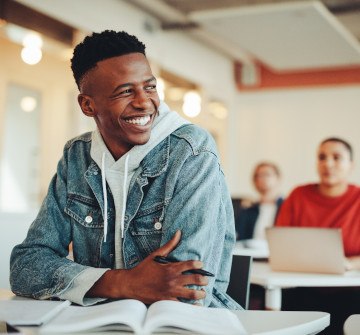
(273,298)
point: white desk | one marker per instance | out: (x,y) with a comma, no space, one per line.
(274,281)
(255,322)
(352,325)
(247,248)
(283,323)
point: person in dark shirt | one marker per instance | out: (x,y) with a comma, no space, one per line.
(251,219)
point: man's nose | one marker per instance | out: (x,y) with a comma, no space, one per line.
(141,100)
(329,162)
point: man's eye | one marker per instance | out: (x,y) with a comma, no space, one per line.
(128,91)
(150,87)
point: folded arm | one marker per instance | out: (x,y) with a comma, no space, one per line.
(151,281)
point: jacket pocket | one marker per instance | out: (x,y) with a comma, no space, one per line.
(84,211)
(87,229)
(146,229)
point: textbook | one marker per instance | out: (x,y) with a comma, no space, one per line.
(30,312)
(133,315)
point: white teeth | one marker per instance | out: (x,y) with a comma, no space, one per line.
(142,121)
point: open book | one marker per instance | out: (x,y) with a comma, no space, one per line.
(29,312)
(133,315)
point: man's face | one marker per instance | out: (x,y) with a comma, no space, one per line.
(120,94)
(334,164)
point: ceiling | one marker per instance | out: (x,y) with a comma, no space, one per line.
(283,35)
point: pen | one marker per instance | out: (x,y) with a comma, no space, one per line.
(166,260)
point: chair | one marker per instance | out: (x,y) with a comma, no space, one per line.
(239,283)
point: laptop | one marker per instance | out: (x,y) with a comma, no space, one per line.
(306,249)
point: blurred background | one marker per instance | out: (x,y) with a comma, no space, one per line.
(268,79)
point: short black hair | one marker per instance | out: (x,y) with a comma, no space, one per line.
(340,140)
(100,46)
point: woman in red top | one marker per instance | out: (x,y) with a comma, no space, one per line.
(333,202)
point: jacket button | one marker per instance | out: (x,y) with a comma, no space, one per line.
(157,225)
(88,219)
(96,173)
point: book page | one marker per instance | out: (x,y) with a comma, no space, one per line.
(29,312)
(198,319)
(127,312)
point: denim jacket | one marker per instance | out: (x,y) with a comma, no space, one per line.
(179,185)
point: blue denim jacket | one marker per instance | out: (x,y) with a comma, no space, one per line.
(179,184)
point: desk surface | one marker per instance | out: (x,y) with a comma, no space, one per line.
(249,248)
(281,323)
(261,274)
(274,281)
(255,322)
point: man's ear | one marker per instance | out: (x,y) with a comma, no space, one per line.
(86,105)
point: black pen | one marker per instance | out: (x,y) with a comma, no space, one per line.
(166,260)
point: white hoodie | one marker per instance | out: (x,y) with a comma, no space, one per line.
(118,175)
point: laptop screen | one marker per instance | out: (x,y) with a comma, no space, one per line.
(306,249)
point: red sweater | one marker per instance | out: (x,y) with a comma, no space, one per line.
(306,207)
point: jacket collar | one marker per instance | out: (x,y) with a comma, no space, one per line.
(157,160)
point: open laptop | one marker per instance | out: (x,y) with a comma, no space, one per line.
(303,249)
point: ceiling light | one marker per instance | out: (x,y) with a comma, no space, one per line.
(32,40)
(218,110)
(28,104)
(30,55)
(192,104)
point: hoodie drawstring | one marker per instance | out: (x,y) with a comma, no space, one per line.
(103,174)
(105,195)
(122,225)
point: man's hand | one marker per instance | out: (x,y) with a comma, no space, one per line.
(352,263)
(151,281)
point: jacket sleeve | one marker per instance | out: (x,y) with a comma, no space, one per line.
(39,267)
(201,208)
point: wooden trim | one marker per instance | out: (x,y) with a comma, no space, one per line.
(23,16)
(268,79)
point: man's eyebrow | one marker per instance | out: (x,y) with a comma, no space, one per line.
(152,78)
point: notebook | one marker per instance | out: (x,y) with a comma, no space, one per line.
(305,249)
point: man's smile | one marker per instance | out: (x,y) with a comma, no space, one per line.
(142,121)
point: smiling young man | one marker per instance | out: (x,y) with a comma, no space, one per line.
(145,183)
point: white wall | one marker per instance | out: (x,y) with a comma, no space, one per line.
(286,126)
(54,84)
(283,125)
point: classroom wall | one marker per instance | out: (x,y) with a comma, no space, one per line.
(55,90)
(286,126)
